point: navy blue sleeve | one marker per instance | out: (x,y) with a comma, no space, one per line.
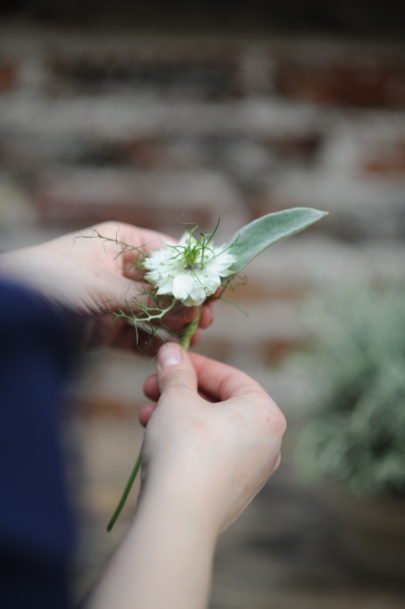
(36,524)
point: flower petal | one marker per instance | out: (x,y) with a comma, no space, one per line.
(182,285)
(168,271)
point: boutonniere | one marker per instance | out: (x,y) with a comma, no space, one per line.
(195,269)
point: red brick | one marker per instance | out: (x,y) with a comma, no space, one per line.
(214,347)
(146,152)
(99,407)
(210,71)
(296,145)
(274,351)
(354,204)
(387,162)
(8,75)
(160,200)
(368,81)
(252,290)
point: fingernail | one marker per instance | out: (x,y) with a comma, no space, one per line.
(169,355)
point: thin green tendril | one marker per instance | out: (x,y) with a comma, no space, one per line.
(185,343)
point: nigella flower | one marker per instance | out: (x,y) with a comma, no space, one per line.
(191,270)
(194,269)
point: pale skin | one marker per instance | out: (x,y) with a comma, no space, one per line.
(203,462)
(212,438)
(91,273)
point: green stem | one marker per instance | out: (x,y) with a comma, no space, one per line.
(185,343)
(189,332)
(125,494)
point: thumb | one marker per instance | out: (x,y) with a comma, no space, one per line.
(121,293)
(175,370)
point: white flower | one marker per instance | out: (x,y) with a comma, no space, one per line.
(191,271)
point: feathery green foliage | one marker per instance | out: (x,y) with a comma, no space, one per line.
(358,433)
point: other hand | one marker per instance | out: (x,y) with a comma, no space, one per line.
(213,434)
(92,273)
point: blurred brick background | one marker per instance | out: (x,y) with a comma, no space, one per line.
(162,129)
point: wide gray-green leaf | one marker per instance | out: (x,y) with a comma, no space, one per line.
(256,236)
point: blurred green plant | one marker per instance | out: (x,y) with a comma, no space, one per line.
(357,434)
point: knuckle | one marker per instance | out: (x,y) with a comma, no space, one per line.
(106,225)
(226,384)
(178,389)
(180,380)
(277,462)
(281,423)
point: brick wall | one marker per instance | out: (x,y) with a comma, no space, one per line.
(158,131)
(161,131)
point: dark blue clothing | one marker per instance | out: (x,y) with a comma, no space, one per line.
(36,525)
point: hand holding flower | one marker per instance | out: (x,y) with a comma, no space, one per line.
(192,270)
(93,277)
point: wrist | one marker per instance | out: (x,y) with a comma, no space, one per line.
(166,558)
(187,506)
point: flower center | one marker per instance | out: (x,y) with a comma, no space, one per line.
(190,257)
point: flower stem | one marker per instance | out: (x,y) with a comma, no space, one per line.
(189,332)
(125,494)
(185,343)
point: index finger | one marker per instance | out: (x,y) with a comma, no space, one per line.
(141,242)
(215,380)
(222,381)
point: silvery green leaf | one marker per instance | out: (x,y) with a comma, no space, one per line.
(256,236)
